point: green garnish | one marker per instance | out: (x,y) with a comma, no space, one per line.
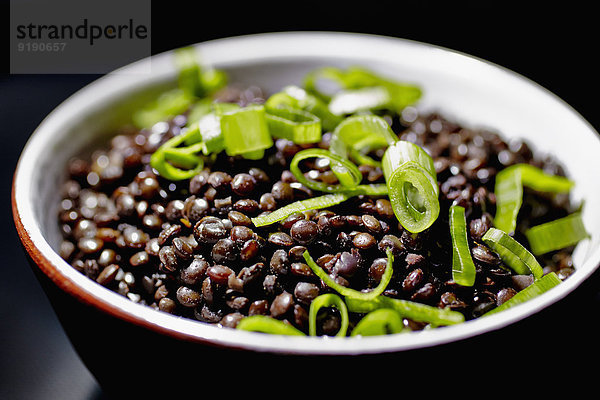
(348,174)
(408,309)
(195,82)
(297,98)
(184,156)
(358,135)
(209,129)
(245,131)
(265,324)
(538,287)
(383,321)
(463,268)
(296,125)
(557,234)
(512,253)
(400,95)
(509,191)
(237,130)
(193,78)
(412,185)
(357,100)
(320,202)
(168,159)
(348,292)
(165,106)
(327,300)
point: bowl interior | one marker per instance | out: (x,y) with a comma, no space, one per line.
(473,92)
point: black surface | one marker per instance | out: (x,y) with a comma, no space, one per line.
(36,359)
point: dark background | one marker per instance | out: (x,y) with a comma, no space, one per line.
(553,46)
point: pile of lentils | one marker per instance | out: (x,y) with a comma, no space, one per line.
(189,248)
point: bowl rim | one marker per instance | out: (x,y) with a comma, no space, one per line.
(250,48)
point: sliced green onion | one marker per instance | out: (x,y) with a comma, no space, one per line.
(408,309)
(372,189)
(184,157)
(166,106)
(360,134)
(400,94)
(189,71)
(348,173)
(463,268)
(297,98)
(296,125)
(209,128)
(314,203)
(192,134)
(192,77)
(265,324)
(245,130)
(332,74)
(412,184)
(348,292)
(363,99)
(512,253)
(213,79)
(198,110)
(538,287)
(509,191)
(194,82)
(162,159)
(383,321)
(160,163)
(327,300)
(557,234)
(254,155)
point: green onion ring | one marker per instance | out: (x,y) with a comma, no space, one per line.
(314,203)
(188,77)
(463,268)
(379,322)
(400,94)
(184,155)
(538,287)
(182,158)
(413,190)
(159,162)
(372,189)
(297,98)
(348,292)
(363,99)
(509,191)
(359,134)
(266,324)
(408,309)
(194,78)
(166,106)
(517,257)
(557,234)
(327,300)
(348,173)
(245,130)
(331,73)
(296,125)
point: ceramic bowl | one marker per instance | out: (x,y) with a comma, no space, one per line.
(104,326)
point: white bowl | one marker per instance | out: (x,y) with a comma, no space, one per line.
(474,92)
